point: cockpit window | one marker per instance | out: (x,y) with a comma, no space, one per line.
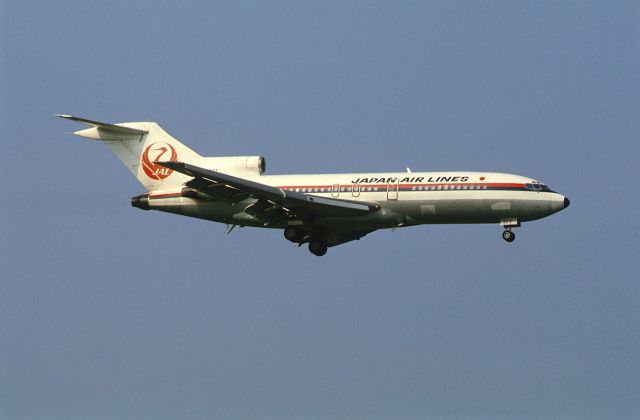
(537,186)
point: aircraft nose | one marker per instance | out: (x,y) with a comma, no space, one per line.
(558,202)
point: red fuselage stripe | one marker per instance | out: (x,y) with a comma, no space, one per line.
(382,186)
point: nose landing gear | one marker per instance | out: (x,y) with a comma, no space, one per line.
(508,224)
(508,236)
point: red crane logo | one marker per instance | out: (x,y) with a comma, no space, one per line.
(158,153)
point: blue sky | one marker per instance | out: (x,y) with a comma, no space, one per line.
(110,312)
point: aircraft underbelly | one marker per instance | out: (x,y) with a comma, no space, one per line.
(216,211)
(473,210)
(393,213)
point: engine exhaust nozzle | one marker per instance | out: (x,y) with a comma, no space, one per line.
(141,202)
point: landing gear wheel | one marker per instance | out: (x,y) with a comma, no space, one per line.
(292,234)
(318,247)
(508,236)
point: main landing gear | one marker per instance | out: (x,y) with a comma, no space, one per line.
(316,245)
(508,236)
(293,235)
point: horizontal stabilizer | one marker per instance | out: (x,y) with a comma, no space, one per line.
(106,128)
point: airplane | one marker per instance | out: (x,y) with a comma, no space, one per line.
(322,210)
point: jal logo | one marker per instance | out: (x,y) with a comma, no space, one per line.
(155,152)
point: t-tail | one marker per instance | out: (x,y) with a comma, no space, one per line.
(139,145)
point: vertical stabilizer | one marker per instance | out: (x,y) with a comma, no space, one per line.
(139,145)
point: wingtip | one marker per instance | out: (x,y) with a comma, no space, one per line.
(62,116)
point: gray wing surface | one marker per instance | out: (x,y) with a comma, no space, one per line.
(220,185)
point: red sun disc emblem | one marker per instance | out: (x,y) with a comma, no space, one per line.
(158,152)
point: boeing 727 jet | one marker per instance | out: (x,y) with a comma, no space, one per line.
(319,210)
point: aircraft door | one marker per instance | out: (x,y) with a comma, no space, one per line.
(335,191)
(392,190)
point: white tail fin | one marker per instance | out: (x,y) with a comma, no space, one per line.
(138,145)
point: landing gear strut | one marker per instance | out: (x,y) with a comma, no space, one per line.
(508,236)
(318,247)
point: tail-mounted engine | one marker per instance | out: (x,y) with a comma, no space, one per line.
(236,165)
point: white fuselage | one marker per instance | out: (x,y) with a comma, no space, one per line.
(405,198)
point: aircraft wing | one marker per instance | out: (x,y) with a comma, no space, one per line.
(213,183)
